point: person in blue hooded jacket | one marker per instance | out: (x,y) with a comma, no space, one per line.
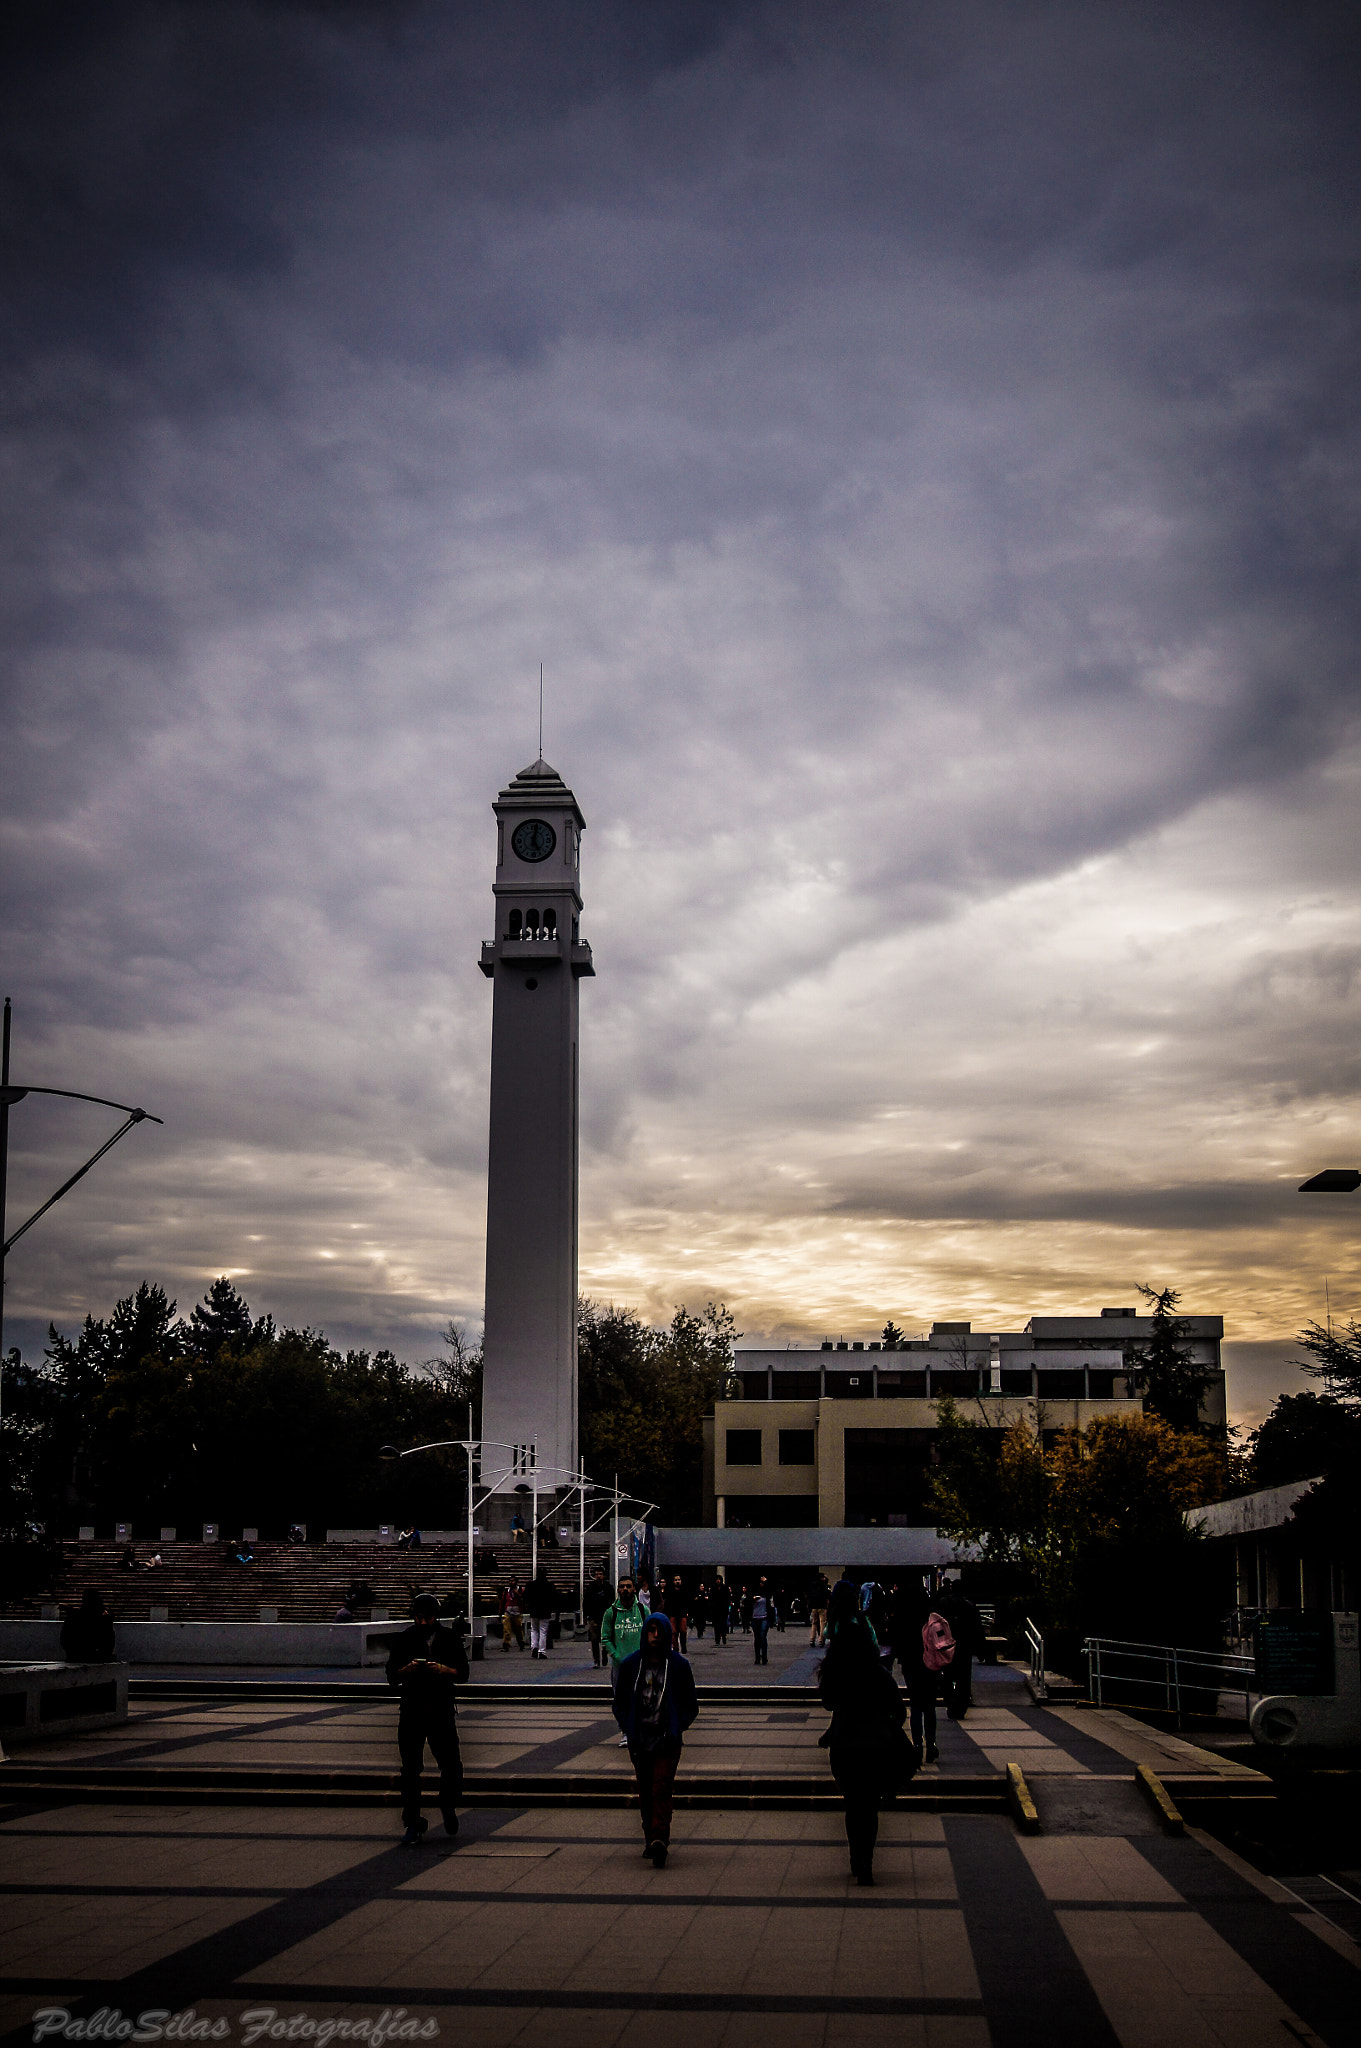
(654,1703)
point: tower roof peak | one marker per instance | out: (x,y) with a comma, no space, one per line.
(539,783)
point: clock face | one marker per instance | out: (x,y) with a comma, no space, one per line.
(534,839)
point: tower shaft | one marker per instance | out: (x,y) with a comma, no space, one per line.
(536,962)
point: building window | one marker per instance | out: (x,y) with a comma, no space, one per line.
(797,1386)
(902,1386)
(744,1447)
(887,1474)
(1014,1380)
(515,923)
(755,1386)
(1062,1386)
(954,1383)
(796,1447)
(771,1511)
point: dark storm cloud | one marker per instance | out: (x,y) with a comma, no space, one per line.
(922,443)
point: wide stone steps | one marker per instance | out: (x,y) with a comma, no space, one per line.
(304,1584)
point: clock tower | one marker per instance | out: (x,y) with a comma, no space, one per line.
(535,963)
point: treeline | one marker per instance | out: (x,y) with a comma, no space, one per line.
(221,1416)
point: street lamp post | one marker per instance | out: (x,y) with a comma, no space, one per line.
(8,1097)
(469,1445)
(579,1484)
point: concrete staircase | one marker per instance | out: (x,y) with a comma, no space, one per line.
(198,1582)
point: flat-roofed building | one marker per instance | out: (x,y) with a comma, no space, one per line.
(840,1437)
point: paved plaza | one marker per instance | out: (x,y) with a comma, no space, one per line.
(544,1924)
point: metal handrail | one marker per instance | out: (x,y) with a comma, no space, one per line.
(1035,1646)
(1108,1658)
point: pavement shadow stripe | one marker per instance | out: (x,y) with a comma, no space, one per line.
(1035,1991)
(1314,1981)
(211,1966)
(547,1756)
(658,1999)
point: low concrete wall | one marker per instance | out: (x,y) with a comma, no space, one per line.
(322,1643)
(827,1549)
(50,1699)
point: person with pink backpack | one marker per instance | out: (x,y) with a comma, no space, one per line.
(924,1645)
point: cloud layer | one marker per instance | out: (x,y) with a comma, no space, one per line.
(921,445)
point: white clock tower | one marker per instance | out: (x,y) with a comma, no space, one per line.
(535,962)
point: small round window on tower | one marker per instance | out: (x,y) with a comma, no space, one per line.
(532,982)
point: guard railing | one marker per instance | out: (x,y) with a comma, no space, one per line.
(1034,1643)
(1162,1674)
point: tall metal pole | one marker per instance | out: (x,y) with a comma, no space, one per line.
(614,1544)
(581,1542)
(470,1528)
(4,1176)
(534,1537)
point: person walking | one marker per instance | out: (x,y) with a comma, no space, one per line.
(677,1614)
(744,1610)
(511,1623)
(720,1608)
(762,1614)
(541,1605)
(818,1598)
(425,1663)
(621,1631)
(594,1601)
(654,1703)
(967,1629)
(920,1649)
(865,1740)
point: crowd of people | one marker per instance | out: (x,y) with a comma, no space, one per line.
(880,1733)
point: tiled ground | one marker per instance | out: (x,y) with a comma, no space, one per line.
(547,1926)
(538,1732)
(542,1926)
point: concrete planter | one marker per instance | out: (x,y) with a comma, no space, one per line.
(321,1643)
(53,1699)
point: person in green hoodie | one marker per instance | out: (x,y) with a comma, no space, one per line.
(621,1631)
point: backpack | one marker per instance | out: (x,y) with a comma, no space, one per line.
(938,1645)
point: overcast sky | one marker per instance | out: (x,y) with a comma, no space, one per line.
(920,442)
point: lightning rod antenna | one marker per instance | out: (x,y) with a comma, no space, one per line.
(541,711)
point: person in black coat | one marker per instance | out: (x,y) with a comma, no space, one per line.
(425,1662)
(720,1610)
(654,1703)
(594,1601)
(542,1605)
(87,1632)
(865,1740)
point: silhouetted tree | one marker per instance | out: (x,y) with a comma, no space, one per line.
(221,1321)
(1304,1437)
(1334,1356)
(1165,1370)
(642,1396)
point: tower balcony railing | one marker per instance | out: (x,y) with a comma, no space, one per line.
(543,951)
